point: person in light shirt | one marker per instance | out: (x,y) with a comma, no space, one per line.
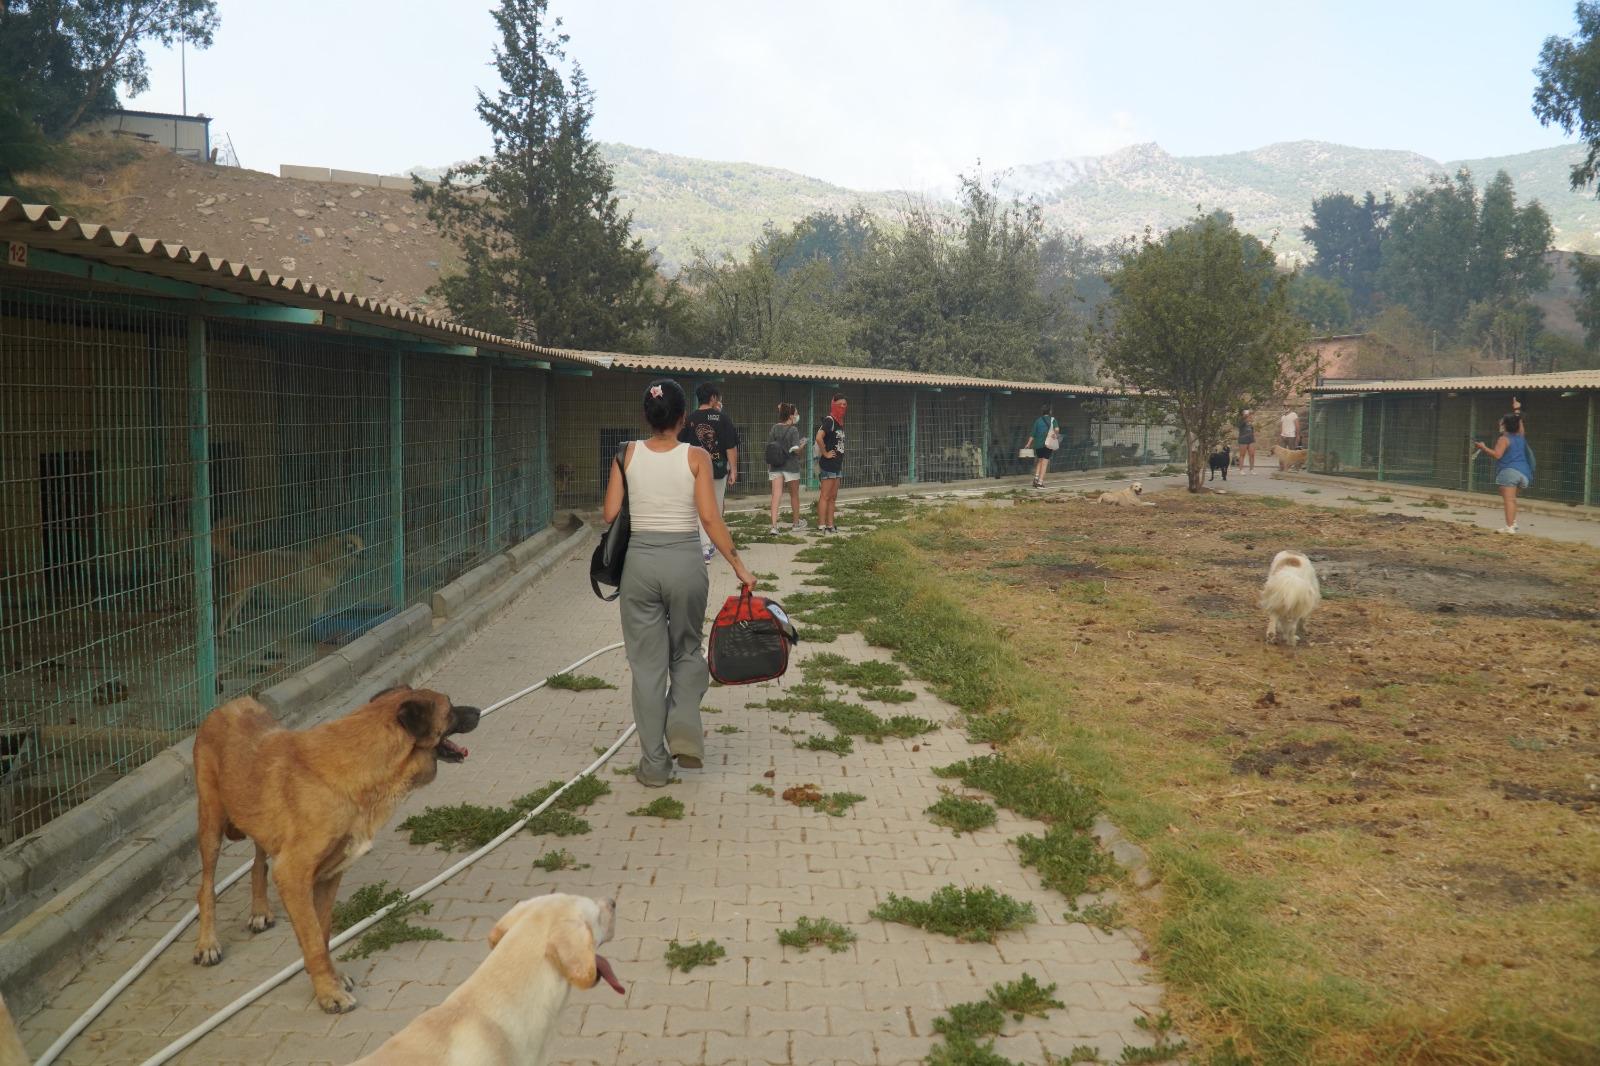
(1289,429)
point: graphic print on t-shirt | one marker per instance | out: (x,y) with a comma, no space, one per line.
(832,441)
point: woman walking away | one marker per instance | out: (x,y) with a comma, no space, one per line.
(830,463)
(1247,441)
(1513,468)
(664,584)
(787,441)
(1046,438)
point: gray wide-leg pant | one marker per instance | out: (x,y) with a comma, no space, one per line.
(663,598)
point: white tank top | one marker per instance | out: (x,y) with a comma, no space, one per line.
(661,491)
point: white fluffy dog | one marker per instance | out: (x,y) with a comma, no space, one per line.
(1128,497)
(1290,595)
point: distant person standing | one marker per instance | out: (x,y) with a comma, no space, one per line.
(1045,438)
(714,431)
(1247,440)
(1513,468)
(829,440)
(1289,429)
(786,440)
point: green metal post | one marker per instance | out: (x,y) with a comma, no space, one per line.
(1311,431)
(205,660)
(488,455)
(1472,435)
(988,405)
(911,465)
(1588,457)
(1383,420)
(397,485)
(812,481)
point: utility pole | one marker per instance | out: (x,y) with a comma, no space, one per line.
(183,67)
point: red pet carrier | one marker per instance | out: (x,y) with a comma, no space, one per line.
(750,640)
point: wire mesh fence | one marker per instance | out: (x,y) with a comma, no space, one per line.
(194,509)
(1426,439)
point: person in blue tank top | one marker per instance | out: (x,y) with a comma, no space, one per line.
(1513,468)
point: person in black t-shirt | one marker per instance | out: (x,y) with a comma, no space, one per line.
(830,462)
(709,428)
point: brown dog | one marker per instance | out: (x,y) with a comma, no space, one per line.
(311,574)
(1290,458)
(505,1013)
(312,800)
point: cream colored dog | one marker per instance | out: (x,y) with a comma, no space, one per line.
(1289,597)
(1128,497)
(1290,458)
(505,1013)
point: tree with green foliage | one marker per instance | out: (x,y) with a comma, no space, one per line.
(1568,93)
(1323,303)
(1347,238)
(547,254)
(1447,250)
(783,301)
(1200,320)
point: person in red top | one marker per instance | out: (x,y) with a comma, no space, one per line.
(830,462)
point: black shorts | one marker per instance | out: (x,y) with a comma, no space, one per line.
(1042,453)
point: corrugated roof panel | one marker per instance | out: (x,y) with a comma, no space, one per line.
(1572,379)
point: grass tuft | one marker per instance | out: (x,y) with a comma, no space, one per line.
(660,807)
(763,790)
(840,745)
(1069,861)
(578,682)
(560,859)
(1025,996)
(462,825)
(729,729)
(1105,917)
(997,727)
(393,929)
(834,804)
(856,720)
(685,957)
(964,1024)
(821,932)
(1031,789)
(968,914)
(961,815)
(584,791)
(886,694)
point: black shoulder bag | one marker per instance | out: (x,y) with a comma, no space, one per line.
(605,565)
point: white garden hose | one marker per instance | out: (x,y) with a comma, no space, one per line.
(193,1035)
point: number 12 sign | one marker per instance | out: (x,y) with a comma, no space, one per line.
(16,254)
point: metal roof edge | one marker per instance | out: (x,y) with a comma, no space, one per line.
(1572,379)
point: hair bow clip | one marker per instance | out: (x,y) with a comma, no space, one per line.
(655,390)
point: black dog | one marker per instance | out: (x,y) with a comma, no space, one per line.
(1219,461)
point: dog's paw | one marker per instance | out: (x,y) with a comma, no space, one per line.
(260,923)
(338,1001)
(208,954)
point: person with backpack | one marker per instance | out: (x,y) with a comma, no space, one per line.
(714,431)
(667,486)
(829,440)
(1046,439)
(785,443)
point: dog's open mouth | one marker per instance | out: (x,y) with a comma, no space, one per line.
(603,968)
(450,751)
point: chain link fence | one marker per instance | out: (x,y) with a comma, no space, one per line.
(1426,439)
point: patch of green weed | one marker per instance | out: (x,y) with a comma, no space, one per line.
(856,720)
(578,682)
(819,932)
(685,957)
(1031,789)
(840,745)
(391,930)
(886,694)
(961,815)
(729,729)
(559,859)
(997,727)
(584,791)
(1103,916)
(660,807)
(1068,860)
(762,790)
(462,825)
(968,914)
(557,823)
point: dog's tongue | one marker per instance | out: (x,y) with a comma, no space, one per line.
(603,968)
(454,749)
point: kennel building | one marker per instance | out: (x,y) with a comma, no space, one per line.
(902,428)
(1421,432)
(211,477)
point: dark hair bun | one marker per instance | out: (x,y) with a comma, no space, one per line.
(664,404)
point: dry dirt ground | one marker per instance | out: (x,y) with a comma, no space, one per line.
(376,242)
(1420,782)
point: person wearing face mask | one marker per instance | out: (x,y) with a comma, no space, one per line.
(830,462)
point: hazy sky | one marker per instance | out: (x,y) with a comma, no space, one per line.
(882,93)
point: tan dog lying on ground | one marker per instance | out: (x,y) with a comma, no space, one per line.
(312,800)
(1290,458)
(286,574)
(505,1013)
(1128,497)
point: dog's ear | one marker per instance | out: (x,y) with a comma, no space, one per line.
(571,948)
(381,693)
(416,717)
(507,920)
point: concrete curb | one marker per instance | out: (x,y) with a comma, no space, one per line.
(1454,496)
(141,829)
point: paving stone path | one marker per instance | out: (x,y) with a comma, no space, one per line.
(738,868)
